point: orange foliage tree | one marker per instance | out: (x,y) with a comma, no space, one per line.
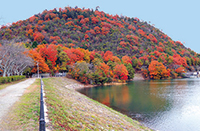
(43,67)
(157,70)
(105,68)
(180,70)
(116,59)
(126,60)
(108,56)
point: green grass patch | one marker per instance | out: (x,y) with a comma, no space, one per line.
(70,110)
(57,110)
(24,115)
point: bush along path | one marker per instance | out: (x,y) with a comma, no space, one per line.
(70,110)
(9,79)
(19,106)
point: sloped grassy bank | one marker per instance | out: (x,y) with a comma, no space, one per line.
(70,110)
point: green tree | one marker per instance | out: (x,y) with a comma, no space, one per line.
(130,70)
(44,42)
(111,64)
(135,63)
(35,44)
(62,59)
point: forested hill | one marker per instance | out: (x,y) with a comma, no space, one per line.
(96,30)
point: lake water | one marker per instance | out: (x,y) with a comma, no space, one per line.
(164,105)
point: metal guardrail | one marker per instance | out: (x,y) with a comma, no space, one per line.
(42,119)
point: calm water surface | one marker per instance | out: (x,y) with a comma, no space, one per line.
(165,105)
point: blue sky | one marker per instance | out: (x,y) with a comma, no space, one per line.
(179,19)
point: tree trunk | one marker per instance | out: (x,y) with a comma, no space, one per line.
(4,73)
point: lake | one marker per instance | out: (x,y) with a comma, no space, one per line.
(164,105)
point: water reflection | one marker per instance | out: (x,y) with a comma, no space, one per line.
(162,104)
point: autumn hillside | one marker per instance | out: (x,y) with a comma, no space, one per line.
(97,32)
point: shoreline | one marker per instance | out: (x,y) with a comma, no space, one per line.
(78,85)
(74,86)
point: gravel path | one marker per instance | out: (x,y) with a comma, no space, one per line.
(11,94)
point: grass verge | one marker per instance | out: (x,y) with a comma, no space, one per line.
(24,115)
(70,110)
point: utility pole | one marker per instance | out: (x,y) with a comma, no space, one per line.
(1,71)
(38,69)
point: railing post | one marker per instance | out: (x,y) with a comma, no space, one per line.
(42,119)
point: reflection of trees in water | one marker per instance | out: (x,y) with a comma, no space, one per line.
(140,96)
(125,95)
(151,101)
(137,97)
(115,95)
(106,100)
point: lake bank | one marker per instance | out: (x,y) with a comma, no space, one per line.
(137,77)
(80,111)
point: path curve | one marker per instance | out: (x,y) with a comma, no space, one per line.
(11,94)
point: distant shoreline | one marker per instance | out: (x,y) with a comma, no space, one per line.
(80,85)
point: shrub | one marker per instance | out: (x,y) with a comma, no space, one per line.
(2,80)
(10,79)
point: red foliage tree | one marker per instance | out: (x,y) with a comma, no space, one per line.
(86,36)
(74,55)
(141,32)
(49,53)
(131,27)
(108,56)
(123,43)
(97,29)
(95,20)
(105,30)
(80,17)
(120,72)
(178,60)
(38,37)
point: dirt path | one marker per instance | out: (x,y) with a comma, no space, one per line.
(11,94)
